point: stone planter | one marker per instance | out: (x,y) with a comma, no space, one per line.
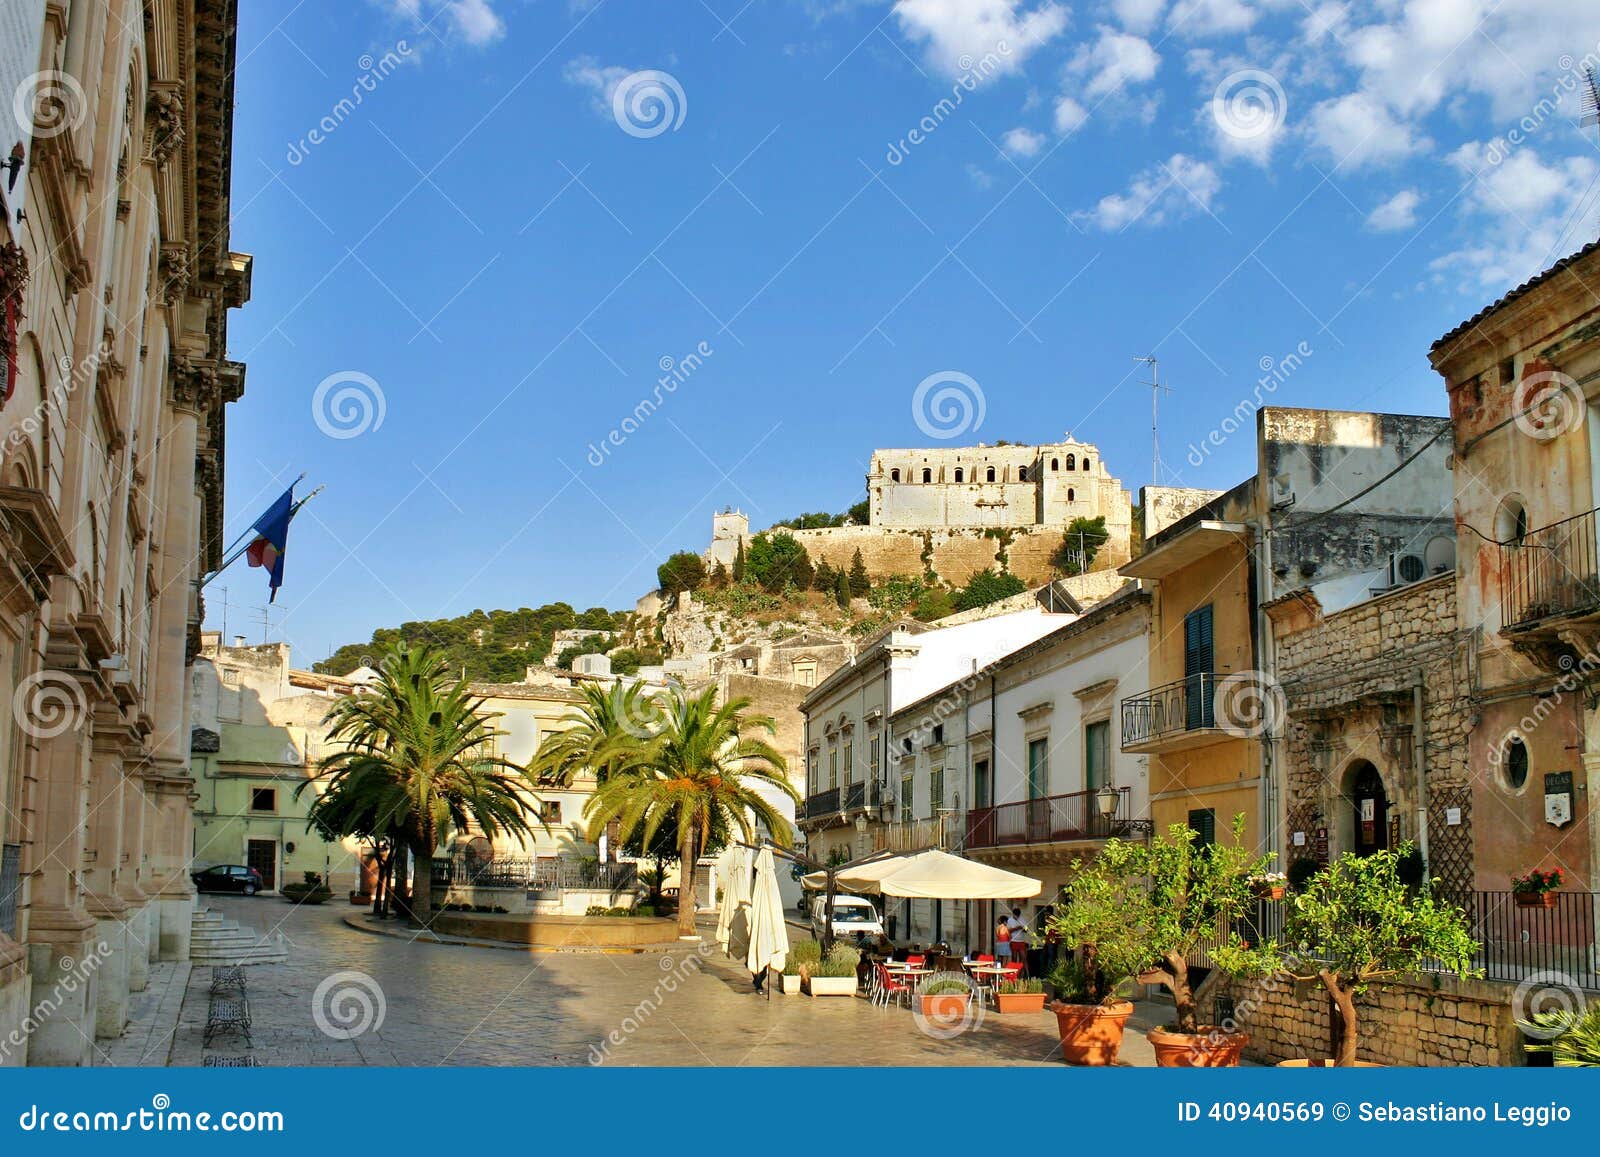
(1209,1048)
(788,983)
(1091,1034)
(945,1008)
(830,985)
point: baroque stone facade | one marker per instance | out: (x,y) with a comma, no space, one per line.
(119,275)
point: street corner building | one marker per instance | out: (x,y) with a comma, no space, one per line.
(116,277)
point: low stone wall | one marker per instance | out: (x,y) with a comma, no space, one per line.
(559,931)
(513,900)
(1426,1022)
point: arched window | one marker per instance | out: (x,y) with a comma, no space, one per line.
(1022,473)
(1055,464)
(1086,463)
(959,477)
(894,476)
(989,475)
(927,475)
(1511,521)
(1072,461)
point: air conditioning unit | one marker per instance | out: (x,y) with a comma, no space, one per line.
(1404,569)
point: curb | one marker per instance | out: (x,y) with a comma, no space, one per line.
(415,936)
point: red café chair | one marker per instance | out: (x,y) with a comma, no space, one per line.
(891,987)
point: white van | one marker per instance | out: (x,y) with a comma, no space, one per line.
(852,915)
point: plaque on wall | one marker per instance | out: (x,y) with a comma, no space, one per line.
(1558,798)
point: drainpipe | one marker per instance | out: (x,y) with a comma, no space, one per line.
(1419,760)
(1266,656)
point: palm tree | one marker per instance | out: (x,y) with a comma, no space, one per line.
(697,773)
(606,733)
(417,764)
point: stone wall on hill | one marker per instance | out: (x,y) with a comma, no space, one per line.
(954,555)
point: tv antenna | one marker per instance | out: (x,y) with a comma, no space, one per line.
(265,614)
(1155,396)
(1591,97)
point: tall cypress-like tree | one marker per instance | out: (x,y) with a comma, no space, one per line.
(738,563)
(842,594)
(860,581)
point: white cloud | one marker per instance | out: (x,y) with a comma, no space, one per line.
(1138,15)
(1069,115)
(958,34)
(1022,142)
(1210,17)
(979,177)
(1397,213)
(1330,18)
(601,80)
(1518,213)
(1355,130)
(1165,192)
(1115,61)
(475,20)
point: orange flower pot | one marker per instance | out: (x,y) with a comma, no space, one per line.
(1210,1048)
(1020,1001)
(1091,1034)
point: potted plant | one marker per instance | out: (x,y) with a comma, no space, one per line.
(801,953)
(834,974)
(944,1000)
(1570,1036)
(1019,995)
(1356,925)
(1093,916)
(1537,889)
(1269,885)
(312,891)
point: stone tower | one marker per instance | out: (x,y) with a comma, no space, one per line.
(729,528)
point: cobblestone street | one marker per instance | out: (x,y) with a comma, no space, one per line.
(456,1005)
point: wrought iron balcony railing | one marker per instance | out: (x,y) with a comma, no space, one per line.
(823,803)
(1051,819)
(1186,705)
(1552,572)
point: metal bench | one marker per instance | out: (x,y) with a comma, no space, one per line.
(229,1014)
(215,1062)
(227,979)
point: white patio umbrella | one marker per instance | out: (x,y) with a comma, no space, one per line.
(936,875)
(733,921)
(769,939)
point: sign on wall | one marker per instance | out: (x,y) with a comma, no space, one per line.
(21,87)
(1558,798)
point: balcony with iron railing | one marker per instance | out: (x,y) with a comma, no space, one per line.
(1174,716)
(915,835)
(1053,819)
(1551,576)
(836,801)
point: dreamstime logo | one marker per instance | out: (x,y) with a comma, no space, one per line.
(948,404)
(348,1004)
(1274,372)
(348,404)
(373,73)
(648,103)
(973,73)
(1248,104)
(47,104)
(74,974)
(949,1013)
(1551,404)
(1250,704)
(1554,998)
(674,373)
(49,703)
(643,715)
(675,971)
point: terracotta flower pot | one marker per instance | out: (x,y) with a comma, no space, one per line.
(1535,899)
(1091,1034)
(1210,1048)
(1323,1063)
(945,1007)
(1020,1001)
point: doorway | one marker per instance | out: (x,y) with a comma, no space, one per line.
(262,855)
(1370,810)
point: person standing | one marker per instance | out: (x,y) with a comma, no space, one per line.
(1002,940)
(1018,928)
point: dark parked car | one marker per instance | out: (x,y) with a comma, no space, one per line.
(227,878)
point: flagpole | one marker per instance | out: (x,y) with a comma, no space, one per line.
(240,547)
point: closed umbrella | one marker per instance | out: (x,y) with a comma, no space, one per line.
(769,939)
(733,869)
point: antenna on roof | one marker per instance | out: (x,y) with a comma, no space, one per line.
(1155,394)
(1591,97)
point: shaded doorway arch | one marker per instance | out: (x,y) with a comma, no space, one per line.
(1368,802)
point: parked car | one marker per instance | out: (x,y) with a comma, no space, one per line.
(852,915)
(227,878)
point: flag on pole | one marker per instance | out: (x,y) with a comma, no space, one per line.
(272,536)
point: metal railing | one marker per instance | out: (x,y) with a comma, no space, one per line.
(536,874)
(10,887)
(1557,944)
(914,835)
(824,803)
(1188,704)
(1552,571)
(1048,819)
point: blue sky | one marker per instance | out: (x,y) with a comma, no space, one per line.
(535,204)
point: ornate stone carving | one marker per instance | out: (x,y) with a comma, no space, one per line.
(164,124)
(174,273)
(193,384)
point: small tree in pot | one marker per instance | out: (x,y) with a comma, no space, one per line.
(1144,909)
(1354,925)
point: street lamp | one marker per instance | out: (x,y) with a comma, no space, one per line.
(1106,801)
